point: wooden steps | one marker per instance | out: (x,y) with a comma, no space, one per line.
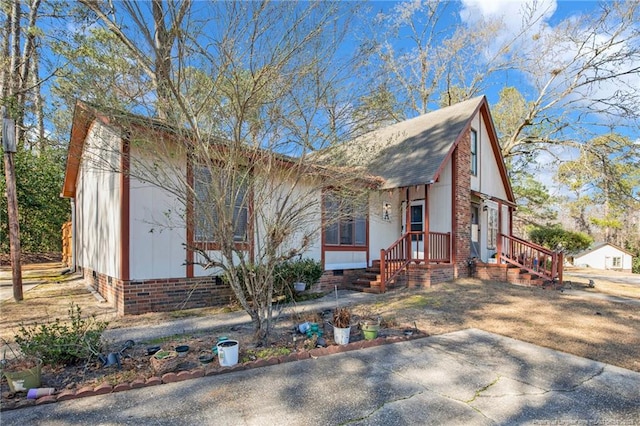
(521,276)
(369,281)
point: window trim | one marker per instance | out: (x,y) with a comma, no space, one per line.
(473,142)
(191,218)
(338,224)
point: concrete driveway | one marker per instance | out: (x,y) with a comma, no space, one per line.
(465,377)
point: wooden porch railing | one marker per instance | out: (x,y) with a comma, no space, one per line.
(538,260)
(395,259)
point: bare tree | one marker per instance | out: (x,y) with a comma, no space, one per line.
(585,73)
(19,47)
(581,75)
(250,91)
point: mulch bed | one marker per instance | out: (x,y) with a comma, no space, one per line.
(136,369)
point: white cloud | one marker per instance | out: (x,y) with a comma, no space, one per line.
(512,13)
(523,24)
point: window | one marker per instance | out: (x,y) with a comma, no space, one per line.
(206,212)
(474,152)
(617,262)
(492,228)
(345,221)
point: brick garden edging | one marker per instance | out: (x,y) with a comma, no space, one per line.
(214,370)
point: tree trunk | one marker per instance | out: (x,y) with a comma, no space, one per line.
(162,47)
(14,67)
(5,62)
(37,100)
(24,63)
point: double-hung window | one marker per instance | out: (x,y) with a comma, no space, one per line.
(345,221)
(224,200)
(474,152)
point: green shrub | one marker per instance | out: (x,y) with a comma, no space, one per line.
(60,343)
(285,275)
(307,271)
(554,237)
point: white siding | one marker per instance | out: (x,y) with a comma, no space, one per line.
(440,205)
(488,180)
(345,260)
(157,224)
(98,202)
(268,198)
(303,198)
(383,233)
(602,258)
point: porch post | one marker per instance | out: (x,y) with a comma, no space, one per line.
(499,236)
(560,267)
(408,225)
(383,275)
(427,242)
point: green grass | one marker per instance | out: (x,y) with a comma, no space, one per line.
(264,353)
(421,301)
(164,339)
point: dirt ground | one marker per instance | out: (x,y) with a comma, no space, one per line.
(563,319)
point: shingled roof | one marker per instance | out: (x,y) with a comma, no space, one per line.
(410,152)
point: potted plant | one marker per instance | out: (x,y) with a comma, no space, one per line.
(341,326)
(164,361)
(370,328)
(295,276)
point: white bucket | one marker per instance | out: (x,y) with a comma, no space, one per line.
(341,335)
(228,353)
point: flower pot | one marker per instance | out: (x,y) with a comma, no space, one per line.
(370,331)
(299,287)
(164,361)
(205,359)
(152,350)
(341,335)
(182,350)
(228,353)
(21,379)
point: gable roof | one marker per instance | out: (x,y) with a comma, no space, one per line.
(598,246)
(85,114)
(415,151)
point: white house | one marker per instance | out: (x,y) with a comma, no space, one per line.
(442,197)
(604,256)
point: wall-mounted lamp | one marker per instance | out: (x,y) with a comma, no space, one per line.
(386,212)
(485,208)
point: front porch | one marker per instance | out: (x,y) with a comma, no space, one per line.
(403,264)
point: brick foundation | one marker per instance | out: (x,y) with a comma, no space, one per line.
(330,279)
(424,276)
(138,297)
(491,272)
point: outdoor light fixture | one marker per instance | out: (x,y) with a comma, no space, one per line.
(386,212)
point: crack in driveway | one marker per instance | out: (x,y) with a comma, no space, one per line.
(381,406)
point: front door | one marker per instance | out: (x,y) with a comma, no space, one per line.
(416,225)
(475,231)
